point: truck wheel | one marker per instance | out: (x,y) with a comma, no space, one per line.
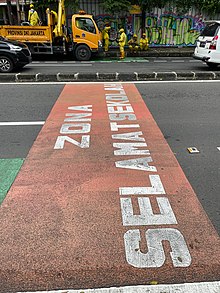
(83,53)
(6,65)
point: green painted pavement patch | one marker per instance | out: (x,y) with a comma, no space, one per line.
(126,59)
(9,169)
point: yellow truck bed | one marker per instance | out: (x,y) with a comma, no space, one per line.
(32,34)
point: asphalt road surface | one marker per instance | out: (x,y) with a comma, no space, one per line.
(187,114)
(140,65)
(61,225)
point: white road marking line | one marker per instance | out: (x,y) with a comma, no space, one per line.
(52,62)
(139,61)
(177,61)
(86,62)
(56,65)
(194,61)
(69,62)
(206,287)
(160,61)
(28,123)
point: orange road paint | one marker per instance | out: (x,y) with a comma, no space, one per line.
(101,201)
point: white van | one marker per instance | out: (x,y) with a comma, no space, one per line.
(208,44)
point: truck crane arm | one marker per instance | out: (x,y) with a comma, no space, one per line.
(61,19)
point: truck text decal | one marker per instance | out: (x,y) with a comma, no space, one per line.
(26,32)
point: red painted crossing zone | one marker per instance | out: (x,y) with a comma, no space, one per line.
(101,201)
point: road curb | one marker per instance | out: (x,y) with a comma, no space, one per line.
(86,77)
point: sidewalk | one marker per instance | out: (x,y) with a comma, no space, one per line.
(154,52)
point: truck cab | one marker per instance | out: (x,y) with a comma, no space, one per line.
(86,36)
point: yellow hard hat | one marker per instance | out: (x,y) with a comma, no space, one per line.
(135,36)
(31,5)
(144,34)
(121,30)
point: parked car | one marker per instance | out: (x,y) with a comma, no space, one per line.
(13,55)
(208,44)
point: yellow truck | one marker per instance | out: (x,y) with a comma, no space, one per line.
(81,40)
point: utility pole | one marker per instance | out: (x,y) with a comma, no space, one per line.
(9,12)
(5,15)
(18,12)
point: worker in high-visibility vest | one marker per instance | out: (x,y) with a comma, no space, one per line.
(122,41)
(144,42)
(105,36)
(33,17)
(133,44)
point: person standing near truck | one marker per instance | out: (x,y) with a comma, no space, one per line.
(122,42)
(106,37)
(33,17)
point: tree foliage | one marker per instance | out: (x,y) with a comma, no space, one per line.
(211,7)
(73,4)
(148,5)
(115,6)
(44,3)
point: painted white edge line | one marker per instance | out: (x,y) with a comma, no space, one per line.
(110,82)
(178,61)
(206,287)
(160,61)
(194,60)
(58,65)
(22,123)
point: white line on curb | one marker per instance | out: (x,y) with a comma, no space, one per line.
(207,287)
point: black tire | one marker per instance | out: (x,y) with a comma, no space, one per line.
(83,53)
(212,65)
(6,64)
